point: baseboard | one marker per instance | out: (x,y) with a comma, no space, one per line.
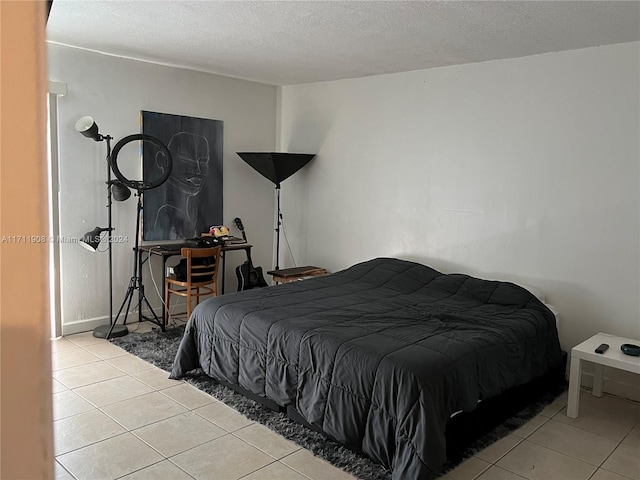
(82,326)
(614,386)
(179,307)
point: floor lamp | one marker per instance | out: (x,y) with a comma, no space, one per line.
(276,167)
(90,240)
(119,190)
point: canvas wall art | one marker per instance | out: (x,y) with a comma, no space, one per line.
(190,201)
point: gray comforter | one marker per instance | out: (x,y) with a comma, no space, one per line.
(378,355)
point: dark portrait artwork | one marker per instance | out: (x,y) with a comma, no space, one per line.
(190,201)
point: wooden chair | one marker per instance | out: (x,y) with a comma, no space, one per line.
(202,279)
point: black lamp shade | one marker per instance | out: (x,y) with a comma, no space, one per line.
(88,127)
(120,191)
(274,166)
(91,240)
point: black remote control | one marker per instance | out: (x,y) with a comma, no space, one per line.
(602,348)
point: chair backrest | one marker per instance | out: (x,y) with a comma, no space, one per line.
(204,269)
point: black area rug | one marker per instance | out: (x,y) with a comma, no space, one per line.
(160,348)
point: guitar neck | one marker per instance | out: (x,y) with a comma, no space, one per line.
(240,226)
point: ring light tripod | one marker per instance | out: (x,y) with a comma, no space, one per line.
(135,283)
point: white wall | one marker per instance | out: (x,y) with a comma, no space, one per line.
(524,169)
(113,91)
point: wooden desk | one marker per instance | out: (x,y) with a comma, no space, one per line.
(170,250)
(287,275)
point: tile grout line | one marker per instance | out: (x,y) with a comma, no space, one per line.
(257,469)
(584,430)
(151,465)
(113,403)
(635,425)
(90,444)
(257,447)
(292,467)
(64,468)
(483,471)
(571,456)
(608,456)
(520,440)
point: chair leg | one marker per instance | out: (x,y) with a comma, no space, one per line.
(167,296)
(188,302)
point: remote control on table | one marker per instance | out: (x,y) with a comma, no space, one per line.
(602,348)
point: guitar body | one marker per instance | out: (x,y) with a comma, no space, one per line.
(248,276)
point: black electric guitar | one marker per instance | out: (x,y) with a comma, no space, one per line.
(248,276)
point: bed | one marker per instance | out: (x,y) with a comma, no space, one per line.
(378,356)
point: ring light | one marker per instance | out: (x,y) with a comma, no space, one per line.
(138,184)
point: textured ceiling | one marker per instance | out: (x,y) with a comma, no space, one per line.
(292,42)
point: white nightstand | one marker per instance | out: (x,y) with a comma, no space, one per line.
(613,357)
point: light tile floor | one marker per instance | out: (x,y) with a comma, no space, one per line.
(117,416)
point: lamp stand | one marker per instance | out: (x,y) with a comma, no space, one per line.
(135,283)
(277,229)
(111,330)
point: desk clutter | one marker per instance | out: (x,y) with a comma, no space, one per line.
(204,241)
(221,233)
